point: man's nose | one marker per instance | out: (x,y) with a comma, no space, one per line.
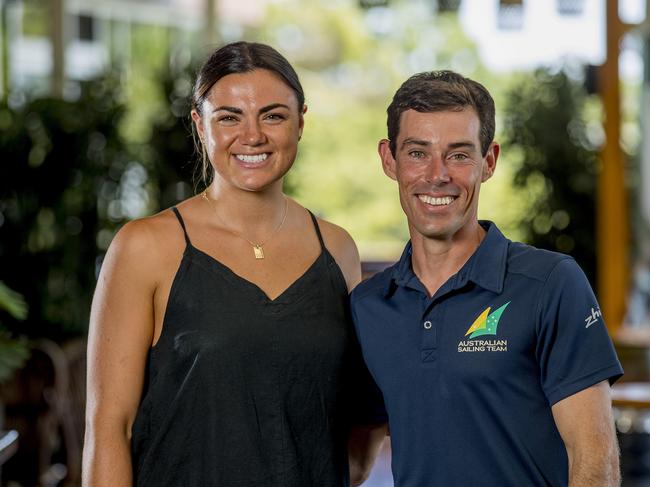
(436,171)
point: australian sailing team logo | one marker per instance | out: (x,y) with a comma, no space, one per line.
(484,325)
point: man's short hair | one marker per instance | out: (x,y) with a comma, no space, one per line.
(436,91)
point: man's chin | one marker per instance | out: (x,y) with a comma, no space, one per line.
(430,232)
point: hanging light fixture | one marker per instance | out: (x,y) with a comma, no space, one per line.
(372,3)
(448,5)
(511,14)
(569,7)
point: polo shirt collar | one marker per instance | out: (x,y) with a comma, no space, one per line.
(486,267)
(402,274)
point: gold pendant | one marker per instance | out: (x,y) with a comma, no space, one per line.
(259,253)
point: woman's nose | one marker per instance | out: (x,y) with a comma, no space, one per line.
(253,134)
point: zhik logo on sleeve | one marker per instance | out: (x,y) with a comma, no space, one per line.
(592,317)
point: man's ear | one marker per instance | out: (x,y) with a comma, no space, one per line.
(490,161)
(387,159)
(198,123)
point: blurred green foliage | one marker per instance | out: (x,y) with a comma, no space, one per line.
(551,132)
(35,18)
(12,302)
(170,150)
(63,181)
(13,351)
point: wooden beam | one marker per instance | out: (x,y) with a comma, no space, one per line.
(4,50)
(612,219)
(210,35)
(57,36)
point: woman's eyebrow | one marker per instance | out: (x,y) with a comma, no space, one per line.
(273,106)
(236,110)
(239,111)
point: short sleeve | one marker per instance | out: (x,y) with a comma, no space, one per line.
(574,350)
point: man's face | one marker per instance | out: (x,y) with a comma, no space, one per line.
(439,169)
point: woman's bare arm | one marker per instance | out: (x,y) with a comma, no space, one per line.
(120,335)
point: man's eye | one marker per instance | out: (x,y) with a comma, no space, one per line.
(416,154)
(459,157)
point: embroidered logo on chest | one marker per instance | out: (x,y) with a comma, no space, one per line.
(484,325)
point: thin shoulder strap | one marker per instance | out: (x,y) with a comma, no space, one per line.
(320,237)
(180,220)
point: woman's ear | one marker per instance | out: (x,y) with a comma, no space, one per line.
(301,122)
(198,123)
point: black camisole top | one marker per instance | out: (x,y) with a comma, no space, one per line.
(242,390)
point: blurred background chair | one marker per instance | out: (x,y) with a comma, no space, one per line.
(45,404)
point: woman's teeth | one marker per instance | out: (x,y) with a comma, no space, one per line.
(252,158)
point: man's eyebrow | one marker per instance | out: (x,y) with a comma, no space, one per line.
(463,144)
(228,109)
(412,141)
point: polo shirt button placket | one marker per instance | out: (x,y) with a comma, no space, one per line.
(429,342)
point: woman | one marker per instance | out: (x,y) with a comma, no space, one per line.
(220,349)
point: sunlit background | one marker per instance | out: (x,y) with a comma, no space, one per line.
(94,131)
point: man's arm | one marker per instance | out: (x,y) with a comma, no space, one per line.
(364,446)
(586,425)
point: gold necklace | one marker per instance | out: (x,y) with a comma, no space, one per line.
(257,247)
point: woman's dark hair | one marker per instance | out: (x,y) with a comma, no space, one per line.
(437,91)
(241,57)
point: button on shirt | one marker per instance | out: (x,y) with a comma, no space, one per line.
(469,375)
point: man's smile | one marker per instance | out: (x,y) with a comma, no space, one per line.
(436,201)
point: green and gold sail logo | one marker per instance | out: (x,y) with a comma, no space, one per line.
(485,324)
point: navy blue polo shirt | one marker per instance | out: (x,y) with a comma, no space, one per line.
(469,375)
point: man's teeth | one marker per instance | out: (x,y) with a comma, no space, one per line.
(445,200)
(252,158)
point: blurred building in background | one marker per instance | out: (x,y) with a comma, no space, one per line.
(82,39)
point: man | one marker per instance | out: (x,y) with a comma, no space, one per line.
(492,356)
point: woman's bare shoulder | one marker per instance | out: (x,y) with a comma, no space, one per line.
(336,237)
(149,233)
(342,247)
(148,244)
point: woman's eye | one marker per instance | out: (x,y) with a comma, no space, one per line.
(227,118)
(275,117)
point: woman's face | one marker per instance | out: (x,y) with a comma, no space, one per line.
(250,127)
